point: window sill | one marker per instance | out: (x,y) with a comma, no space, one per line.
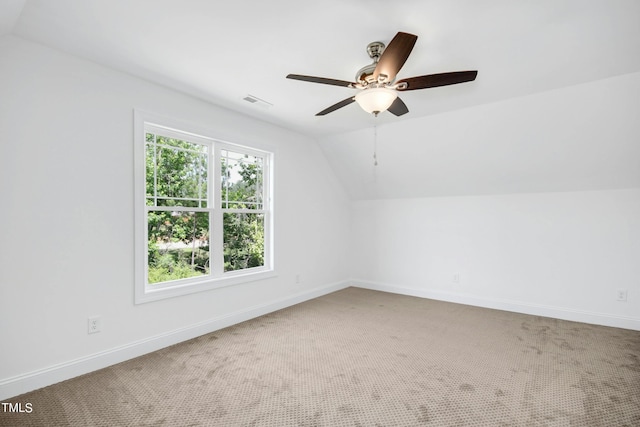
(191,286)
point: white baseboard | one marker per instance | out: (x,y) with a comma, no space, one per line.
(508,305)
(24,383)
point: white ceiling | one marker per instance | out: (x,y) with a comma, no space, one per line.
(223,51)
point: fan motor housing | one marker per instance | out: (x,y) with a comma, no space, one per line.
(365,74)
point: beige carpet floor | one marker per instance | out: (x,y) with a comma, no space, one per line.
(364,358)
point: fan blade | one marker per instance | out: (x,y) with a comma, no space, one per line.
(334,107)
(435,80)
(394,56)
(398,107)
(322,80)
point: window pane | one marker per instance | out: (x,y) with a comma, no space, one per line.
(176,175)
(178,245)
(243,240)
(242,180)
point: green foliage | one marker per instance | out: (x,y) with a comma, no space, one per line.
(245,191)
(243,244)
(178,245)
(244,241)
(177,172)
(174,265)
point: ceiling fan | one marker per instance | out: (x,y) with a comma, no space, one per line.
(378,90)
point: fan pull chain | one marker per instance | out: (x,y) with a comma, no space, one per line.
(375,142)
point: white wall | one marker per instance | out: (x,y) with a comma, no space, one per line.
(67,214)
(542,222)
(555,254)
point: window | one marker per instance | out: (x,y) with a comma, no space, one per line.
(203,211)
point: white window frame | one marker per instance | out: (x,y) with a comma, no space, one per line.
(144,121)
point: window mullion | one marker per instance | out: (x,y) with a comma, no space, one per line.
(217,232)
(175,209)
(155,170)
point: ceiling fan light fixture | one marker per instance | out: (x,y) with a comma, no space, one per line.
(376,82)
(376,100)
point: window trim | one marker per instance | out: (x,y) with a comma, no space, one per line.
(178,129)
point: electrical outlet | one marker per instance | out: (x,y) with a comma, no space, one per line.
(456,277)
(95,324)
(297,279)
(622,295)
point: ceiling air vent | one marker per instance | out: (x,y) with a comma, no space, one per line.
(257,101)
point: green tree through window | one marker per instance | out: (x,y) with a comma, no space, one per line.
(182,206)
(242,190)
(176,180)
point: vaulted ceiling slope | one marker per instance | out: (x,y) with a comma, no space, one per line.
(224,51)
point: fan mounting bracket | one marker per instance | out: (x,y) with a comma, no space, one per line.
(375,49)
